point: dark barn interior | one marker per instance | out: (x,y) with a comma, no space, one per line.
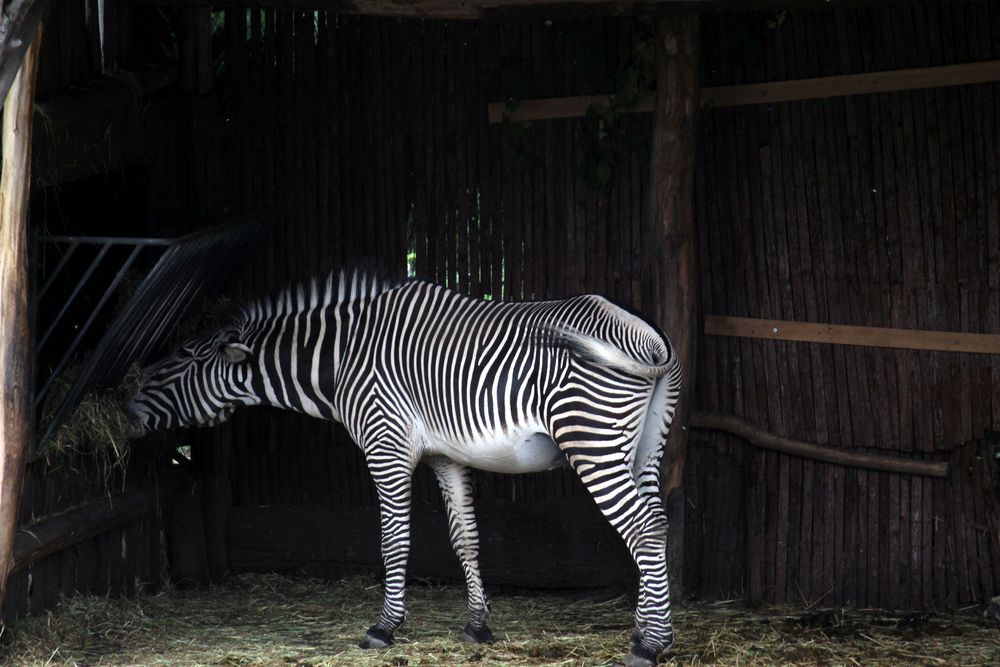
(367,140)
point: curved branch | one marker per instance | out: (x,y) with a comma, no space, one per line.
(767,440)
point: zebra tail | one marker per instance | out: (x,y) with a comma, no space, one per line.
(602,353)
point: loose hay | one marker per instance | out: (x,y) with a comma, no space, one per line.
(269,620)
(98,425)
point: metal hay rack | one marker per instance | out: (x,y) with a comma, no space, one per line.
(121,325)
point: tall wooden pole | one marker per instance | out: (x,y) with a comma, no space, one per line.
(671,267)
(15,342)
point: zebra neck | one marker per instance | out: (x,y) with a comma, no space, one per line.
(299,355)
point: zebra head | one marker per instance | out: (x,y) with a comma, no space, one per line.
(200,384)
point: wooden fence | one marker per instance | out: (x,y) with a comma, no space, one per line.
(368,140)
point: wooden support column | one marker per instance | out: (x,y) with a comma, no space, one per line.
(671,268)
(15,342)
(197,64)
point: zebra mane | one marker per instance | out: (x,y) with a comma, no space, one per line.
(332,289)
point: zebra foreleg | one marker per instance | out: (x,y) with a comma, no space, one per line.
(456,489)
(614,490)
(393,477)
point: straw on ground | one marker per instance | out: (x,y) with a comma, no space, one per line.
(271,621)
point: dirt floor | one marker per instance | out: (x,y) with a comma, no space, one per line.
(269,620)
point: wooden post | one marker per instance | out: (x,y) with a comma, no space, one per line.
(197,65)
(671,266)
(15,342)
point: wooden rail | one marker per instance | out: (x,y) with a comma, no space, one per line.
(769,92)
(766,440)
(55,533)
(839,334)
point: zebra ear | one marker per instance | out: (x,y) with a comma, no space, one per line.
(236,353)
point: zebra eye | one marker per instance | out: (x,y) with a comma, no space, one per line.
(236,353)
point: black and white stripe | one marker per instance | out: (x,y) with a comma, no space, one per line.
(417,372)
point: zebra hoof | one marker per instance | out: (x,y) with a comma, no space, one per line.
(483,635)
(376,638)
(635,639)
(639,656)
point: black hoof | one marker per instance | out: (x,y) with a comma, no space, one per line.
(481,636)
(376,638)
(639,656)
(635,639)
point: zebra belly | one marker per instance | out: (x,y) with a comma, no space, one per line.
(517,452)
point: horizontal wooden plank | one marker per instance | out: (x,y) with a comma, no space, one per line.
(769,92)
(852,84)
(553,108)
(840,334)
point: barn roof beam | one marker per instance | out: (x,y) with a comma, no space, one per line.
(484,9)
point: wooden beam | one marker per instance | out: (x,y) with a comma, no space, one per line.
(55,533)
(670,261)
(15,339)
(853,84)
(767,440)
(840,334)
(769,92)
(486,9)
(19,21)
(455,9)
(196,58)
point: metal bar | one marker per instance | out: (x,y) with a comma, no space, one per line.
(82,379)
(112,240)
(55,272)
(125,331)
(74,294)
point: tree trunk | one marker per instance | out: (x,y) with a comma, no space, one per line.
(672,267)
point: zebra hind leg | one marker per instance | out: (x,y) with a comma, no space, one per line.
(648,481)
(456,489)
(393,478)
(615,491)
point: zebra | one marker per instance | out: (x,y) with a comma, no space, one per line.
(417,372)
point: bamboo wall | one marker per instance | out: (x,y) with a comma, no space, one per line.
(366,140)
(878,210)
(872,210)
